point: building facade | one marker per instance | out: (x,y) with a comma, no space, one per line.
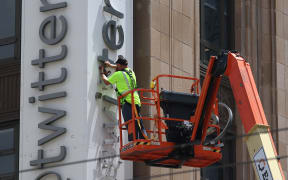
(50,52)
(254,28)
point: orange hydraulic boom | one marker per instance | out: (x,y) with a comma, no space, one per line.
(180,136)
(260,145)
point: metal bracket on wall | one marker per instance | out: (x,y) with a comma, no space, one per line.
(104,57)
(110,125)
(112,115)
(110,141)
(98,95)
(110,100)
(106,87)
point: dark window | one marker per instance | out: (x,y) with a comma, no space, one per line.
(6,139)
(216,34)
(9,150)
(9,29)
(7,51)
(7,18)
(217,171)
(217,28)
(10,32)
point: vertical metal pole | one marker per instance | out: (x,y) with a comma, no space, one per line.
(120,122)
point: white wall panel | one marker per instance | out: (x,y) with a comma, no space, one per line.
(84,114)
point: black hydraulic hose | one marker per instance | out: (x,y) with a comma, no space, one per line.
(229,122)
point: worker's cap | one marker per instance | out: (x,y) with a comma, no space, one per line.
(121,60)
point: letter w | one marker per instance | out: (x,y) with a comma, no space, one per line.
(47,124)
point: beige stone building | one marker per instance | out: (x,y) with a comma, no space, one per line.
(178,37)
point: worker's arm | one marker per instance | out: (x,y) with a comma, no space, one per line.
(103,76)
(107,63)
(105,79)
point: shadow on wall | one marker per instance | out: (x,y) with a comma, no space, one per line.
(93,111)
(95,115)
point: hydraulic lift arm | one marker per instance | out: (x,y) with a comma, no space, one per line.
(260,144)
(259,140)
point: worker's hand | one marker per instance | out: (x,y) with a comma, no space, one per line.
(107,63)
(101,69)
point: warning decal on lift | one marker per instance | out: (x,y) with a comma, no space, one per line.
(262,165)
(129,146)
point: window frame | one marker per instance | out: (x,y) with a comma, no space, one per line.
(231,32)
(14,39)
(11,66)
(15,151)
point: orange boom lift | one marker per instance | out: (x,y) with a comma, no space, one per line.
(183,121)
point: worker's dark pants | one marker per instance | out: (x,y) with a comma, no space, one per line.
(127,115)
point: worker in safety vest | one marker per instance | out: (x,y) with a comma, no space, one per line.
(125,80)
